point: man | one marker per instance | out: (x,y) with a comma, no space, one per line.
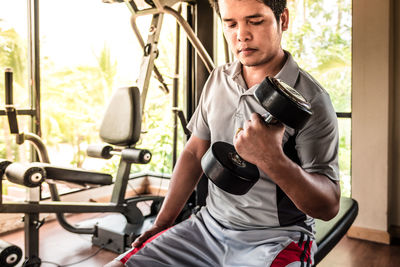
(271,225)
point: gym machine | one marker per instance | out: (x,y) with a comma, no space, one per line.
(124,109)
(121,128)
(157,9)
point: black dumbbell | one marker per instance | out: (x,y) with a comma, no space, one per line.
(221,163)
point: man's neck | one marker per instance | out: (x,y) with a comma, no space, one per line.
(256,74)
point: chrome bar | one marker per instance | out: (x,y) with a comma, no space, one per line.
(208,62)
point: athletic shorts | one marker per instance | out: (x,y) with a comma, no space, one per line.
(201,241)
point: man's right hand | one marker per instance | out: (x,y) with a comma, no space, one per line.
(155,229)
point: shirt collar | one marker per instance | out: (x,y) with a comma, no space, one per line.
(288,73)
(233,69)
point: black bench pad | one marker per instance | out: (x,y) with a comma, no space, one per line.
(329,233)
(77,176)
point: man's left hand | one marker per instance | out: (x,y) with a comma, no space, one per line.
(259,141)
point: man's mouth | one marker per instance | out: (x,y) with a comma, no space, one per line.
(246,51)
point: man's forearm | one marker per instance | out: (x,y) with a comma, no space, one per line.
(184,179)
(314,194)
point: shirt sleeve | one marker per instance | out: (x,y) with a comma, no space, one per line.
(317,144)
(198,124)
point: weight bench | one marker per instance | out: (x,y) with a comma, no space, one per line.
(331,232)
(120,130)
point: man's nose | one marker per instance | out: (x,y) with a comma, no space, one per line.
(243,33)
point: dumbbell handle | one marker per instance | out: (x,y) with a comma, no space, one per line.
(268,118)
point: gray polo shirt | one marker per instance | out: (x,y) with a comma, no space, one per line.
(225,104)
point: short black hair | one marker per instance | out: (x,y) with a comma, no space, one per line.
(277,6)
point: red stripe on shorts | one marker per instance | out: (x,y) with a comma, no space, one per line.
(135,250)
(291,253)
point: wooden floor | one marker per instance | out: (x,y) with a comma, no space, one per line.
(357,253)
(61,247)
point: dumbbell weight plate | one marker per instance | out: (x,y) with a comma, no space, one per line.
(223,166)
(283,102)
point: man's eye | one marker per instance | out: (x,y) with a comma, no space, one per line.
(232,25)
(258,22)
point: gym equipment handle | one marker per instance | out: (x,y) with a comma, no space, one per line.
(10,109)
(99,151)
(134,155)
(8,83)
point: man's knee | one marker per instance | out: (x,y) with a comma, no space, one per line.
(114,263)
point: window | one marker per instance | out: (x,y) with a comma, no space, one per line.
(82,60)
(13,54)
(319,38)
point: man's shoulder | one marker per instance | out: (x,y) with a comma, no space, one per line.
(300,79)
(308,86)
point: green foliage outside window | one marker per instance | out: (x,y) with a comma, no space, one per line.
(320,39)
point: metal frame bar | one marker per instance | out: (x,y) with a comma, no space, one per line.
(31,218)
(142,44)
(150,48)
(190,68)
(175,88)
(29,112)
(69,207)
(34,63)
(56,207)
(149,55)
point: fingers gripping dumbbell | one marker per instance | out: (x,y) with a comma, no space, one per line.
(223,165)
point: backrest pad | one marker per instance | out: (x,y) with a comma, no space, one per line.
(121,123)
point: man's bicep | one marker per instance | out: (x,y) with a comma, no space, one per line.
(197,147)
(318,143)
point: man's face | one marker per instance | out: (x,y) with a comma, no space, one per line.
(251,30)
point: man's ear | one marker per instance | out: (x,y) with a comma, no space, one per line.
(285,19)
